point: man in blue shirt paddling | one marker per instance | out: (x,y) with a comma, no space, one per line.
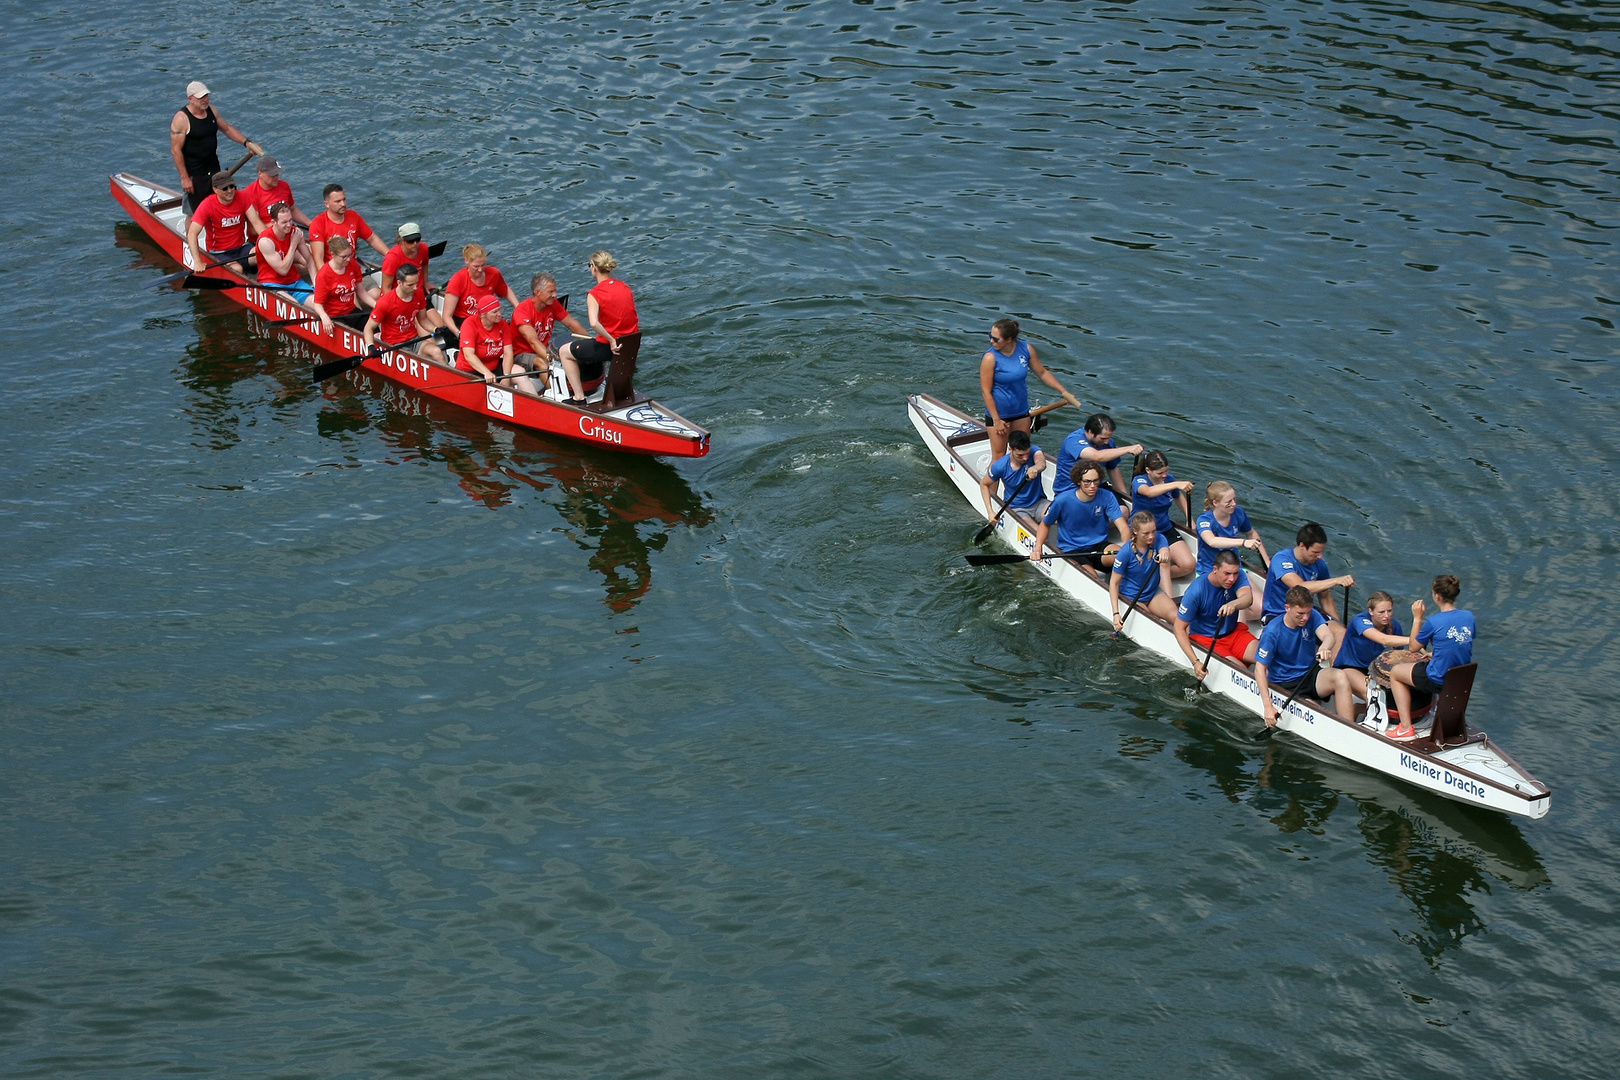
(1285,656)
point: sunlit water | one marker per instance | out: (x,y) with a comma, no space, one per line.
(348,734)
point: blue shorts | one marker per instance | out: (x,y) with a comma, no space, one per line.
(238,254)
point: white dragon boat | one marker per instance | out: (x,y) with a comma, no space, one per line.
(1448,757)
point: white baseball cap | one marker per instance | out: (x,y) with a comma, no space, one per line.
(196,88)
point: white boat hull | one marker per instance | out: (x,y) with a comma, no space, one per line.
(1477,773)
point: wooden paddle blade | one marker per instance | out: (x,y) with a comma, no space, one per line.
(333,368)
(995,560)
(435,250)
(192,281)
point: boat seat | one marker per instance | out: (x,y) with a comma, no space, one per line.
(1450,723)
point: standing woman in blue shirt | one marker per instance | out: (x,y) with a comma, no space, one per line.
(1449,637)
(1003,375)
(1153,489)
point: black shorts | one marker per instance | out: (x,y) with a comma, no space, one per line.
(1295,684)
(202,186)
(354,320)
(1093,559)
(1421,680)
(1007,419)
(239,254)
(591,356)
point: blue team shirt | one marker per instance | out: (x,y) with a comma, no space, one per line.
(1157,505)
(1082,525)
(1451,635)
(1286,652)
(1009,387)
(1201,604)
(1285,563)
(1002,469)
(1206,553)
(1358,651)
(1135,568)
(1069,455)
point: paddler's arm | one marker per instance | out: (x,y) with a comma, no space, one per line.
(593,311)
(1114,580)
(1182,639)
(227,129)
(477,364)
(179,128)
(575,326)
(987,488)
(1417,624)
(1040,542)
(372,326)
(193,231)
(1050,379)
(531,338)
(1264,687)
(451,302)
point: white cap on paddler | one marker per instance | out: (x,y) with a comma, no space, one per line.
(410,231)
(196,88)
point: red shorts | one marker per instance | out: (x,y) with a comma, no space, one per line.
(1233,645)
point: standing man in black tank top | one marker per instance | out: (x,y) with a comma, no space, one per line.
(193,139)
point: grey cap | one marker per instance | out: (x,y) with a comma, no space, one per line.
(268,164)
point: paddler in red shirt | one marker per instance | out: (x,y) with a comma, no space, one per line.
(398,317)
(410,249)
(612,311)
(486,344)
(338,220)
(340,290)
(284,260)
(467,286)
(531,331)
(223,215)
(265,192)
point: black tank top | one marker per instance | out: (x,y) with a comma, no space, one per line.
(200,151)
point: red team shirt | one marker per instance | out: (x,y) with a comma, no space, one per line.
(469,290)
(615,308)
(262,200)
(542,320)
(396,317)
(487,345)
(335,291)
(354,229)
(396,259)
(224,227)
(267,276)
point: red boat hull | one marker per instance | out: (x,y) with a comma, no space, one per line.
(644,428)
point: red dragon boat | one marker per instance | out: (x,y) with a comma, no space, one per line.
(641,426)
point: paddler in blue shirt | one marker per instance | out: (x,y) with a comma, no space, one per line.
(1141,573)
(1303,565)
(1448,635)
(1153,489)
(1022,459)
(1211,606)
(1094,441)
(1083,514)
(1366,637)
(1003,375)
(1284,657)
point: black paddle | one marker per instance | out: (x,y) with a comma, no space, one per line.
(1210,652)
(984,534)
(1147,579)
(333,368)
(1265,732)
(1008,560)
